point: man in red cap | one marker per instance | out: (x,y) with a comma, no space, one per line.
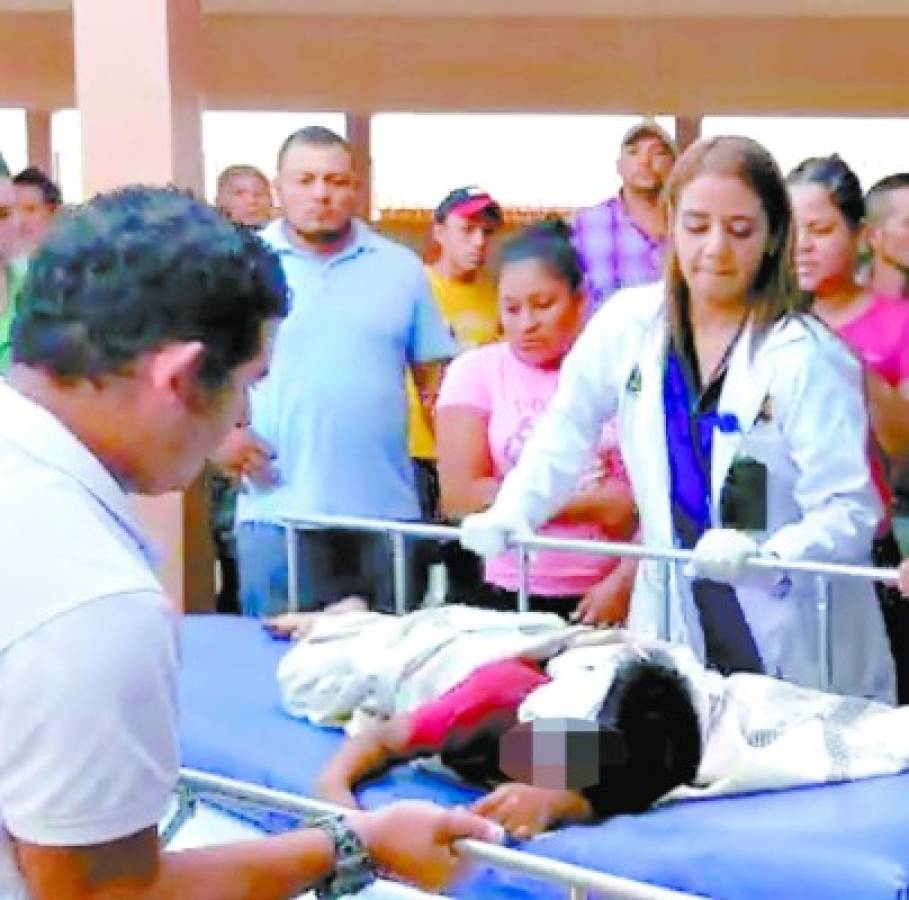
(622,241)
(463,227)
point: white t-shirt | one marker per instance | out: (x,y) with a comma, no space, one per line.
(88,649)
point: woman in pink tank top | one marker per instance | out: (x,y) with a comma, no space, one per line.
(490,400)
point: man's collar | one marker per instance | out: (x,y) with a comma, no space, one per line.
(275,234)
(625,213)
(37,433)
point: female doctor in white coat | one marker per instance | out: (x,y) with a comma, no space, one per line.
(744,431)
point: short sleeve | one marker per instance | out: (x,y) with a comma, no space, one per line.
(491,692)
(431,339)
(88,715)
(468,381)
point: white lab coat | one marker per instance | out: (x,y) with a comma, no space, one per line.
(797,395)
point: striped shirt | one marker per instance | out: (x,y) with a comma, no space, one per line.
(615,252)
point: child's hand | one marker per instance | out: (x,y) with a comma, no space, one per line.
(525,811)
(337,793)
(290,626)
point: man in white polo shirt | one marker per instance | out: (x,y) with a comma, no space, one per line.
(145,319)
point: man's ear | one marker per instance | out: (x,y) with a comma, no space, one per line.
(174,368)
(870,236)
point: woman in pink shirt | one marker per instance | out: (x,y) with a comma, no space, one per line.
(829,208)
(489,402)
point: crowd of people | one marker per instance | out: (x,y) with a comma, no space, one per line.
(715,359)
(720,406)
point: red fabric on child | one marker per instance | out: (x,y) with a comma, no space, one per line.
(489,695)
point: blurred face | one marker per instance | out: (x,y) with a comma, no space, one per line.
(720,234)
(645,165)
(246,200)
(206,417)
(35,217)
(540,315)
(8,221)
(317,189)
(464,243)
(826,246)
(889,240)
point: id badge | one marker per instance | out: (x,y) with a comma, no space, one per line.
(743,499)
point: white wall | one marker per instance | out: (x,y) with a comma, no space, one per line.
(13,139)
(543,160)
(872,147)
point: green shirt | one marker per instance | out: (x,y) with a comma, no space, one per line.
(15,278)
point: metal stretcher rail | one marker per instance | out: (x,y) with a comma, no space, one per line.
(398,531)
(195,786)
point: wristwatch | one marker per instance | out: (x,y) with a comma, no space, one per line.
(354,869)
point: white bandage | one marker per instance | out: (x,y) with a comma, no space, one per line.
(721,555)
(492,532)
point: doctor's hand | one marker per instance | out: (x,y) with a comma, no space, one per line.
(721,554)
(414,840)
(491,533)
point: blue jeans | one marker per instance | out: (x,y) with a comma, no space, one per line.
(332,565)
(262,563)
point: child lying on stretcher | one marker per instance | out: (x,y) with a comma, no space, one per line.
(644,742)
(606,724)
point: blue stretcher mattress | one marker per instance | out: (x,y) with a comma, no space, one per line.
(836,841)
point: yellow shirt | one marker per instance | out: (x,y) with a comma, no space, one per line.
(472,312)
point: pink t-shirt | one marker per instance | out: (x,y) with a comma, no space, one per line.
(512,396)
(880,339)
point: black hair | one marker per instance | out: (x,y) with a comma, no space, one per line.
(876,198)
(314,136)
(140,267)
(841,183)
(549,242)
(649,708)
(34,177)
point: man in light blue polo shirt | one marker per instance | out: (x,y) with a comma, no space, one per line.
(328,431)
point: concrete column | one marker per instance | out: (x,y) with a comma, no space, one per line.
(359,134)
(687,130)
(38,128)
(137,87)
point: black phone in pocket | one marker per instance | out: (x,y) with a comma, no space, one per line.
(743,499)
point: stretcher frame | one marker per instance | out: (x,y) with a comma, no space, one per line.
(397,533)
(195,786)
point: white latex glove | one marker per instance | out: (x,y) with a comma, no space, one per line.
(491,533)
(720,555)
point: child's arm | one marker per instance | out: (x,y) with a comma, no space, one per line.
(486,700)
(363,755)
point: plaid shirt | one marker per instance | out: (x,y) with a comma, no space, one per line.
(614,251)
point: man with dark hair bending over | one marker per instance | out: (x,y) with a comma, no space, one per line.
(146,318)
